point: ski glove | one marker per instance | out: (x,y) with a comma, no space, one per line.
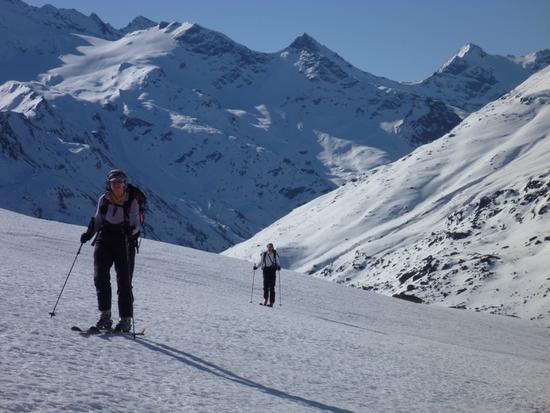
(255,268)
(278,268)
(85,237)
(88,235)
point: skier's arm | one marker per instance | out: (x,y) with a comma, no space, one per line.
(98,217)
(259,263)
(133,217)
(95,223)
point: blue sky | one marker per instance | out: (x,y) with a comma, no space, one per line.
(399,39)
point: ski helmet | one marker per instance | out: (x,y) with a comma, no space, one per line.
(117,175)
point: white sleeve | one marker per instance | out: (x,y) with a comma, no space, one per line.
(134,217)
(98,218)
(260,263)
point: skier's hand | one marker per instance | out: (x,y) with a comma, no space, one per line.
(255,268)
(278,268)
(85,237)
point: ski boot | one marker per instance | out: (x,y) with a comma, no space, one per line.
(124,325)
(105,322)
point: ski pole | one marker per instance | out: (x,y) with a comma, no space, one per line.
(280,295)
(52,313)
(252,292)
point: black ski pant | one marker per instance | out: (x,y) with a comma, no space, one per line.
(270,276)
(112,248)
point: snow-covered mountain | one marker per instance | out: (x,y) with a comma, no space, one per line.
(33,39)
(472,78)
(223,139)
(463,221)
(208,349)
(533,61)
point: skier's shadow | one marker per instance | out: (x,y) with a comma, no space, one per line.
(218,371)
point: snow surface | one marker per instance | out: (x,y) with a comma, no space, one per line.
(327,348)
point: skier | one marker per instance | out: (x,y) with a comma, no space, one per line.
(269,262)
(117,224)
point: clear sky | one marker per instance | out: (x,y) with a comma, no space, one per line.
(399,39)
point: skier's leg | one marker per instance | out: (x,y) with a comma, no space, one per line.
(103,260)
(266,285)
(272,279)
(124,291)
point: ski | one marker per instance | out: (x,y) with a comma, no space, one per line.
(93,330)
(266,305)
(90,331)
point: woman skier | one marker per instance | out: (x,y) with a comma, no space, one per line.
(269,262)
(117,223)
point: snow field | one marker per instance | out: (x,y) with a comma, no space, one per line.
(206,348)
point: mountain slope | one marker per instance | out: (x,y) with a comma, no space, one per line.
(177,104)
(206,348)
(463,221)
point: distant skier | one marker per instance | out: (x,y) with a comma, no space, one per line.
(117,223)
(269,262)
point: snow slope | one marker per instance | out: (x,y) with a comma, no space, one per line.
(206,348)
(463,221)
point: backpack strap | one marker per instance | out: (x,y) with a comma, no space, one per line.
(126,207)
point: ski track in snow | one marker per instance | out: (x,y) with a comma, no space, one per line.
(327,348)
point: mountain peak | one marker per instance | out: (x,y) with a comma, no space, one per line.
(139,23)
(104,28)
(203,40)
(471,49)
(467,55)
(305,42)
(96,18)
